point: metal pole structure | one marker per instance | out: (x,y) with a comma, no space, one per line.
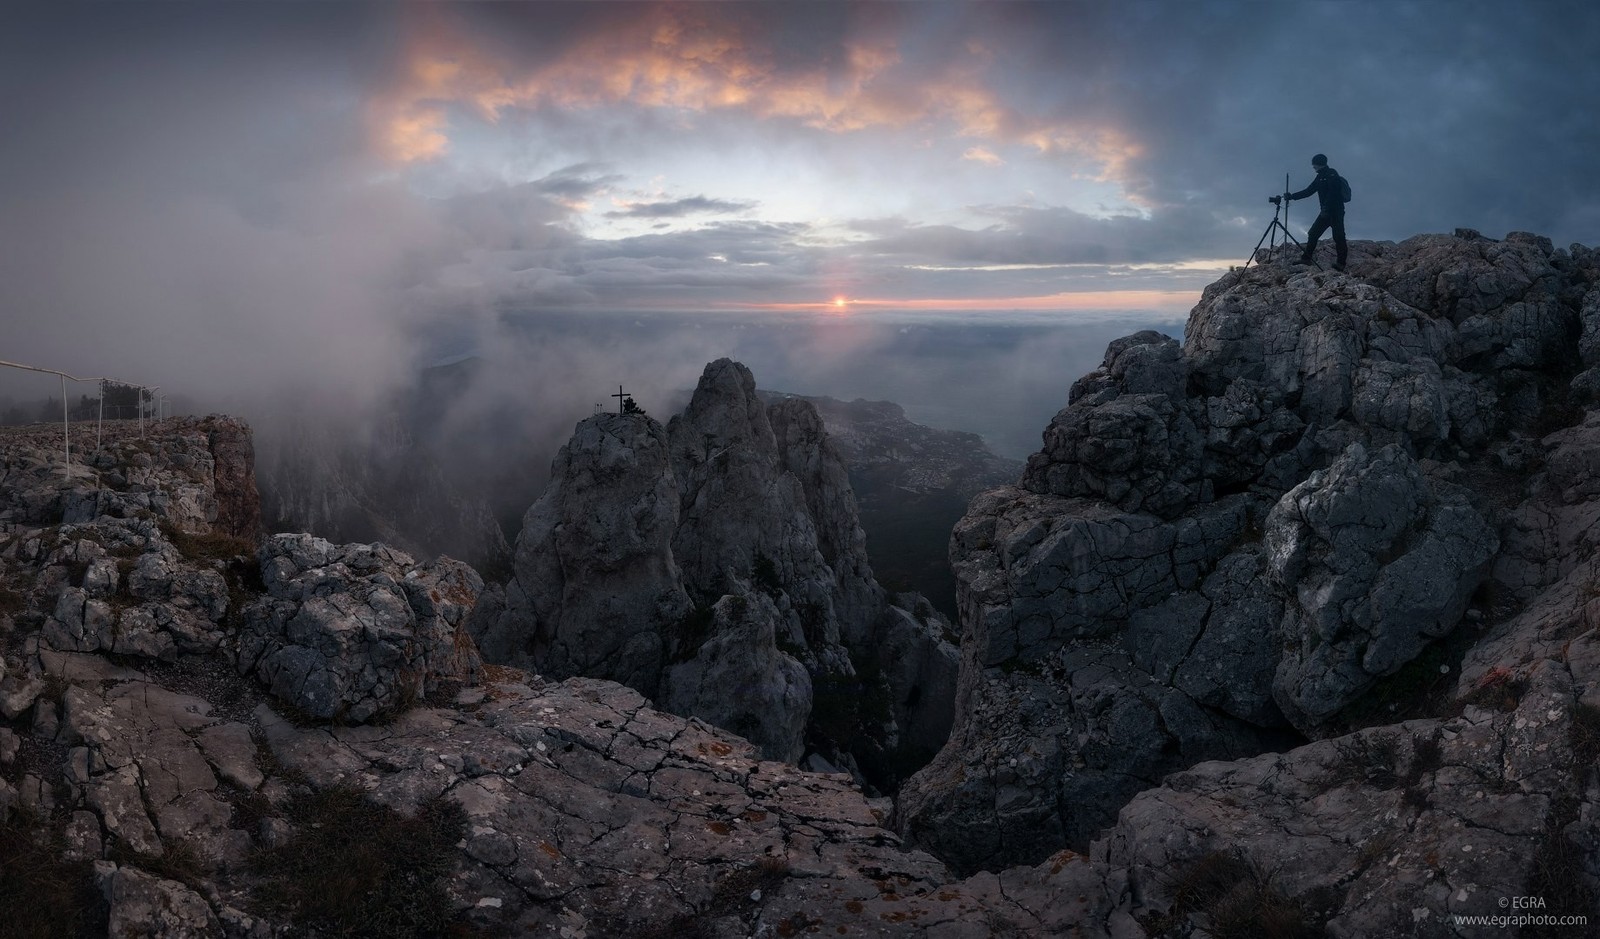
(1286,209)
(66,418)
(66,434)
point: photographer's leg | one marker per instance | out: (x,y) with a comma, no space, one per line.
(1339,243)
(1317,228)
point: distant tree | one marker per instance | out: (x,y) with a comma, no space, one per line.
(123,400)
(629,407)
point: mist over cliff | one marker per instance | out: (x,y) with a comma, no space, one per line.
(482,426)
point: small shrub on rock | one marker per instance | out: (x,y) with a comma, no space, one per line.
(355,868)
(214,546)
(43,896)
(1500,690)
(1231,898)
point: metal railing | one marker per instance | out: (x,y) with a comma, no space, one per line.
(66,421)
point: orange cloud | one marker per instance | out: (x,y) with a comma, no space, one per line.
(1108,147)
(687,59)
(415,134)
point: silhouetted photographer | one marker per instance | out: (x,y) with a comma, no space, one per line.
(1332,193)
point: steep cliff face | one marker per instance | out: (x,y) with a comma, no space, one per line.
(597,589)
(375,483)
(718,565)
(1230,546)
(912,484)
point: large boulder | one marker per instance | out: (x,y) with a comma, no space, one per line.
(1376,563)
(1044,755)
(352,632)
(1036,572)
(185,602)
(1126,437)
(1077,617)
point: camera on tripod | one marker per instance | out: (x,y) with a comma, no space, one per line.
(1278,226)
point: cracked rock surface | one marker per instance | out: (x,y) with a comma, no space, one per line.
(591,812)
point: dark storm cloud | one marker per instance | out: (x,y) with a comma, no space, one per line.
(579,181)
(1443,115)
(678,208)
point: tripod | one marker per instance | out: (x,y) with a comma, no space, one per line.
(1270,236)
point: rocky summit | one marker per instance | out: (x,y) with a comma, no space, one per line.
(1342,501)
(1287,630)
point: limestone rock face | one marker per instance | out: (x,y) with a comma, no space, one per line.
(1039,571)
(718,565)
(142,905)
(1226,545)
(1127,437)
(740,680)
(807,453)
(234,478)
(1044,755)
(1586,385)
(591,813)
(138,552)
(744,515)
(1376,563)
(597,590)
(354,631)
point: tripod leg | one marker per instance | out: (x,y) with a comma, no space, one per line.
(1259,243)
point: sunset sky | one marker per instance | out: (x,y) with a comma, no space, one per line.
(319,183)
